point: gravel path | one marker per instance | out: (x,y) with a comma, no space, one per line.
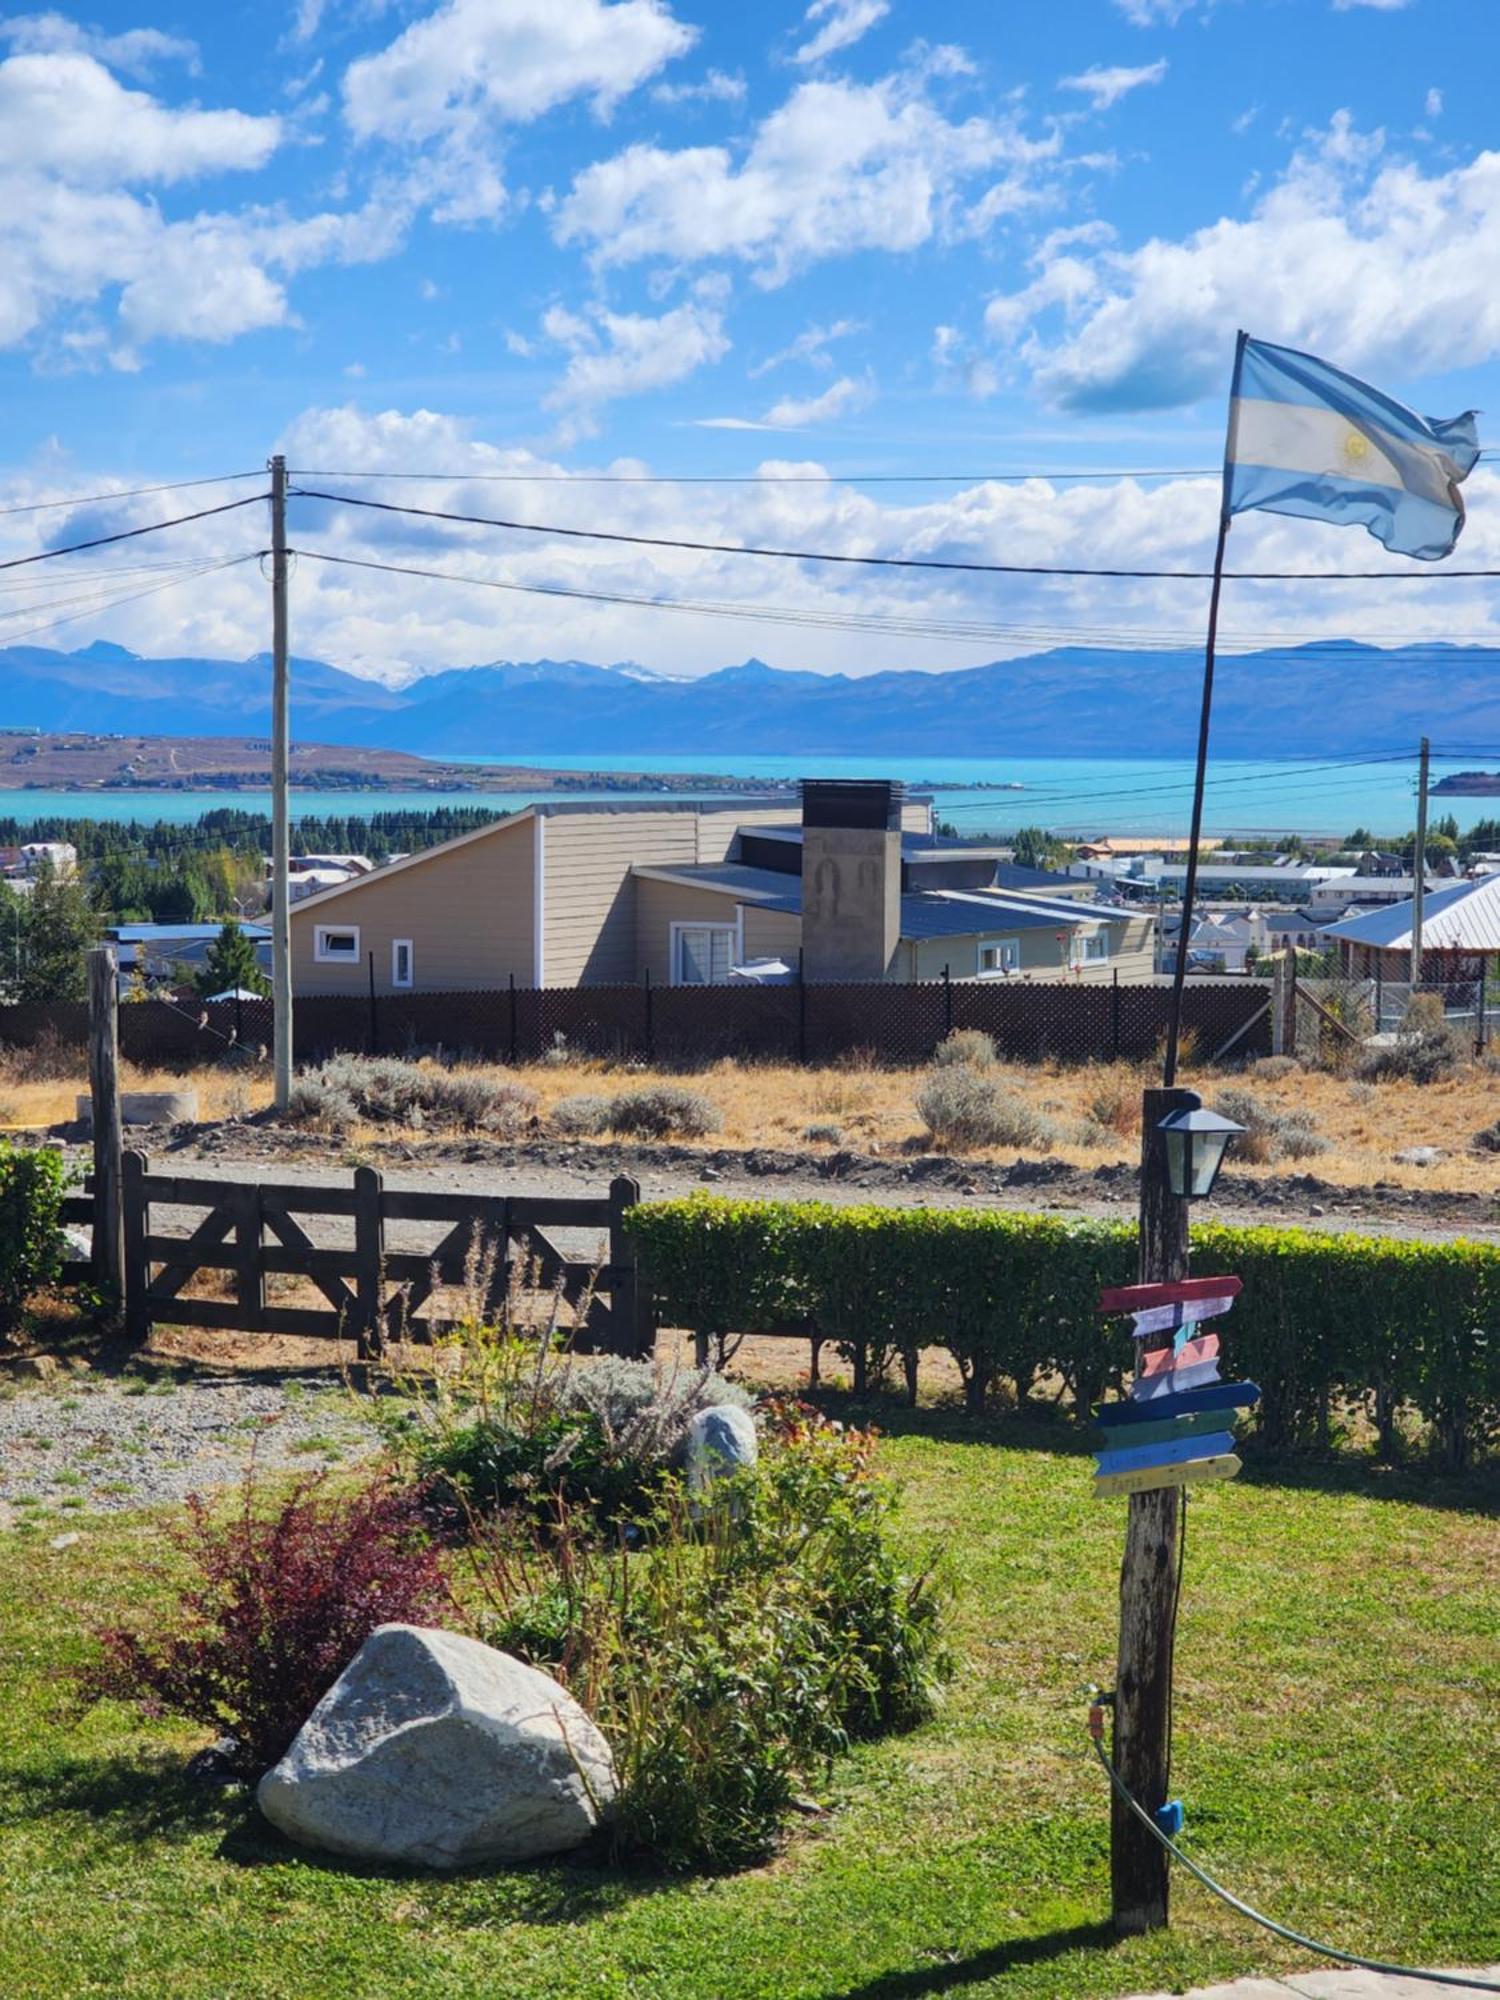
(82,1445)
(1349,1984)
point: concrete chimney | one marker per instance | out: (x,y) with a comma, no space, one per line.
(851,878)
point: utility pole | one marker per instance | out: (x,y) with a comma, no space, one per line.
(1419,868)
(281,923)
(1148,1582)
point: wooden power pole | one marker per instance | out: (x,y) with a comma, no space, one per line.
(281,923)
(1148,1583)
(1419,865)
(107,1250)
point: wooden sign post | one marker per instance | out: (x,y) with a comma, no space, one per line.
(1148,1584)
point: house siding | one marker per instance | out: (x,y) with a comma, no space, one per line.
(772,933)
(659,905)
(468,913)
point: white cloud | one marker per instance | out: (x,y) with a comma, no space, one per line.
(395,625)
(1379,6)
(135,52)
(625,354)
(471,62)
(837,400)
(1362,258)
(1107,86)
(718,87)
(812,345)
(1432,104)
(844,22)
(65,114)
(1155,13)
(839,167)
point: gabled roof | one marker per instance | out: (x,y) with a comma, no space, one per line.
(1463,918)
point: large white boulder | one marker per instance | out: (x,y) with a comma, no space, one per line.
(435,1749)
(720,1441)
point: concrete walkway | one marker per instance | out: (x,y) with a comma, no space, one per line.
(1335,1984)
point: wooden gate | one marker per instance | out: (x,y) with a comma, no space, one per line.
(372,1295)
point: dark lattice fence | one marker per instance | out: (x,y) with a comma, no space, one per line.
(687,1024)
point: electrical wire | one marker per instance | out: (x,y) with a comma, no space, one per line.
(1269,1923)
(892,624)
(765,478)
(127,493)
(97,604)
(130,534)
(876,562)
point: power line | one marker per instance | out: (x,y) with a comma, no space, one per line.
(876,562)
(97,603)
(829,618)
(767,478)
(130,534)
(127,493)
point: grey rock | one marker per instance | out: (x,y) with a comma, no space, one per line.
(435,1749)
(719,1441)
(145,1107)
(1420,1156)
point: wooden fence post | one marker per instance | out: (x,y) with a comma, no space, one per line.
(628,1333)
(947,1001)
(1114,1013)
(136,1215)
(650,1022)
(369,1249)
(107,1250)
(249,1278)
(514,1020)
(1148,1585)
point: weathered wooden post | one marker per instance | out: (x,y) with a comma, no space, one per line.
(107,1249)
(369,1251)
(1148,1581)
(627,1333)
(137,1213)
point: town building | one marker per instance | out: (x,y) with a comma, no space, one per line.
(593,892)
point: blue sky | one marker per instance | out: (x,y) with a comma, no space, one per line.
(560,237)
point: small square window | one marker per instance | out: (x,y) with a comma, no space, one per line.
(336,944)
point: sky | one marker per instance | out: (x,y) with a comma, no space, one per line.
(826,277)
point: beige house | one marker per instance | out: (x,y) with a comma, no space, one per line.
(583,893)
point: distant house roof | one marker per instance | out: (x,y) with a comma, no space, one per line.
(1011,875)
(1463,918)
(925,913)
(1295,920)
(162,933)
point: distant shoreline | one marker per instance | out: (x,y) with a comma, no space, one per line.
(1467,785)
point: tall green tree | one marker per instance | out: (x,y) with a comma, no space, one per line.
(58,926)
(231,963)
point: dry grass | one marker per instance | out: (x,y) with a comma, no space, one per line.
(1093,1109)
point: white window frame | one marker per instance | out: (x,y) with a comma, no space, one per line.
(1092,948)
(398,945)
(323,956)
(736,931)
(1009,949)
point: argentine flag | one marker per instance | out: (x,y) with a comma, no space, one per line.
(1308,439)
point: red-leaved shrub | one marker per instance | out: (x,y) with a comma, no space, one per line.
(281,1601)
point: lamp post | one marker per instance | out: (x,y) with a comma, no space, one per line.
(1182,1149)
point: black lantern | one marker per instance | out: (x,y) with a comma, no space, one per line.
(1195,1142)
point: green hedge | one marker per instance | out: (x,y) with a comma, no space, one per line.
(1322,1320)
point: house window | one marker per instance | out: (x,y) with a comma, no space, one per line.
(401,962)
(703,953)
(336,944)
(1091,949)
(999,955)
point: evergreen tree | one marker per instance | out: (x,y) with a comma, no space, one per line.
(231,963)
(57,928)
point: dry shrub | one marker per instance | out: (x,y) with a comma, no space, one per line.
(386,1090)
(1488,1141)
(1115,1102)
(583,1116)
(1271,1069)
(970,1047)
(1270,1134)
(963,1109)
(1427,1048)
(823,1135)
(839,1094)
(48,1059)
(668,1111)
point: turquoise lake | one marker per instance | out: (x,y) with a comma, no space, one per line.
(1319,794)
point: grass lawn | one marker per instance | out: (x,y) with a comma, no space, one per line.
(1338,1742)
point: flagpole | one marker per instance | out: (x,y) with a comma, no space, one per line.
(1190,883)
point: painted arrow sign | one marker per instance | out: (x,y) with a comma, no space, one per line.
(1175,1428)
(1203,1471)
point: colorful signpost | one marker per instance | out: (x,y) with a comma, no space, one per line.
(1175,1428)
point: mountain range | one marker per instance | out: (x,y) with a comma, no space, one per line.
(1335,696)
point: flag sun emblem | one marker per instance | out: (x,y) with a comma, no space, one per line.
(1356,448)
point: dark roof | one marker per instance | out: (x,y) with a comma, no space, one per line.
(1011,875)
(912,844)
(768,888)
